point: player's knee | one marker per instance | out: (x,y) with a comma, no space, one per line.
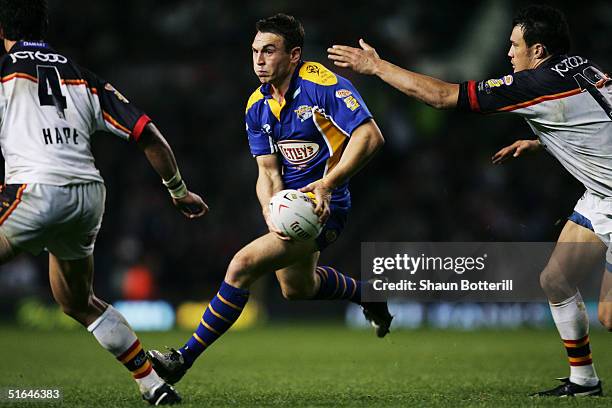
(291,293)
(78,310)
(551,282)
(239,270)
(296,292)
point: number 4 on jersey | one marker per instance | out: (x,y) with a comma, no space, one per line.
(591,79)
(49,89)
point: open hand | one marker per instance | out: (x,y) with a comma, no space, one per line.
(363,60)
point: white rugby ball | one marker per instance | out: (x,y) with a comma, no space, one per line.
(293,213)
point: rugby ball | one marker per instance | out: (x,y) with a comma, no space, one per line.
(292,212)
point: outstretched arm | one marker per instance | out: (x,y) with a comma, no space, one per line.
(365,60)
(159,154)
(364,142)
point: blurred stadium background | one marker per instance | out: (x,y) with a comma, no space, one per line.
(188,65)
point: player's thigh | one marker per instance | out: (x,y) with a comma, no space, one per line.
(7,250)
(74,238)
(579,251)
(71,279)
(298,279)
(24,214)
(266,254)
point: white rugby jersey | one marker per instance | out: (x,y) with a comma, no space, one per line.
(49,108)
(567,102)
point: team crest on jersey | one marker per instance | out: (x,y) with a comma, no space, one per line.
(111,88)
(298,152)
(351,103)
(343,93)
(508,80)
(304,112)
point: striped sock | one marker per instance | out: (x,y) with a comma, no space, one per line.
(115,334)
(335,285)
(572,322)
(221,313)
(135,360)
(578,351)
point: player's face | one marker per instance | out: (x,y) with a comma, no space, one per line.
(271,62)
(521,56)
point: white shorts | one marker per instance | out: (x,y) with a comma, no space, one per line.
(64,220)
(595,213)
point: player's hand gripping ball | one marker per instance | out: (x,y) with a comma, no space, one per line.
(293,213)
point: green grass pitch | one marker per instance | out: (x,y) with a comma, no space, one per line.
(313,366)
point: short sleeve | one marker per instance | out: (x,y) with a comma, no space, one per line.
(344,105)
(260,139)
(114,113)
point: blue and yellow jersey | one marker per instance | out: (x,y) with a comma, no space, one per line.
(310,129)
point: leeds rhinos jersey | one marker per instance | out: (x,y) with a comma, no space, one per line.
(567,102)
(310,129)
(49,108)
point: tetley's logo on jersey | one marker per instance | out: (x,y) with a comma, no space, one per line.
(298,152)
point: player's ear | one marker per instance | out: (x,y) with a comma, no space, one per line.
(539,51)
(296,54)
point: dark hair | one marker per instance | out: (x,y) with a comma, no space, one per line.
(24,19)
(286,26)
(545,25)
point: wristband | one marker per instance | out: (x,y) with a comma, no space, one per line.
(176,186)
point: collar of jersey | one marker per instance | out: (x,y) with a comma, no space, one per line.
(553,60)
(275,107)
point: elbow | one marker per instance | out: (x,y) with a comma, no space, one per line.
(447,97)
(377,141)
(440,102)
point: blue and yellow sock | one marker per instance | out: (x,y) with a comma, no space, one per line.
(335,285)
(221,313)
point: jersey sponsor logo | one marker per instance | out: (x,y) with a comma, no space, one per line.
(324,75)
(118,94)
(569,63)
(343,93)
(351,103)
(40,56)
(298,152)
(495,83)
(34,44)
(304,112)
(313,69)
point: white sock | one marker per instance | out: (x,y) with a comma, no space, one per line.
(572,322)
(114,333)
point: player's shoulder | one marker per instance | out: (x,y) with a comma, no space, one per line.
(561,70)
(317,75)
(255,97)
